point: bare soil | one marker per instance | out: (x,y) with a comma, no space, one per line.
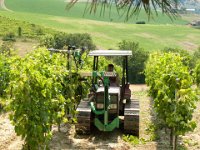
(189,45)
(23,46)
(68,139)
(8,139)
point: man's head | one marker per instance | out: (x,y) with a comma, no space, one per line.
(110,67)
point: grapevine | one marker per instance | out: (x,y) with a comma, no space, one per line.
(171,88)
(37,98)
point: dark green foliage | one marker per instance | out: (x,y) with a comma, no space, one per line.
(19,31)
(136,62)
(5,61)
(9,37)
(4,74)
(4,78)
(80,40)
(61,40)
(140,22)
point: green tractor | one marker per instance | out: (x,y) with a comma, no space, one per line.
(109,105)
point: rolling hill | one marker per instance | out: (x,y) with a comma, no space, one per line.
(58,8)
(152,36)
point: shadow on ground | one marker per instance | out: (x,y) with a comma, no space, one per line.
(68,139)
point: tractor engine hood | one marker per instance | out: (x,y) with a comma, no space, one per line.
(111,91)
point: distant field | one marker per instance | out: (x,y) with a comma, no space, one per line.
(57,8)
(105,34)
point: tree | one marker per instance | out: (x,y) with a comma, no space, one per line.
(136,62)
(130,8)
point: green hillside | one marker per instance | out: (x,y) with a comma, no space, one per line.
(105,34)
(58,8)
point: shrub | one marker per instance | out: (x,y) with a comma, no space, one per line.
(9,37)
(80,40)
(140,22)
(61,40)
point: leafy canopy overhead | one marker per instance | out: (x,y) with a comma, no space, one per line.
(130,7)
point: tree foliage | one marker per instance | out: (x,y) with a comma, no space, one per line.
(136,62)
(61,40)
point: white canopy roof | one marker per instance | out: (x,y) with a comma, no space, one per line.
(110,53)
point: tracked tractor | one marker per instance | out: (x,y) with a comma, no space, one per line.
(109,104)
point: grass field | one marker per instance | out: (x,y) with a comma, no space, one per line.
(58,8)
(153,36)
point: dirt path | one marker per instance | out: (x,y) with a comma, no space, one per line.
(23,46)
(9,140)
(67,139)
(3,6)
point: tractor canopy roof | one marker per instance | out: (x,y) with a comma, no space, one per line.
(110,53)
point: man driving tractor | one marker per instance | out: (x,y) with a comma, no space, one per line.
(114,81)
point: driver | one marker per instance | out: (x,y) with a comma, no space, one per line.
(114,81)
(110,67)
